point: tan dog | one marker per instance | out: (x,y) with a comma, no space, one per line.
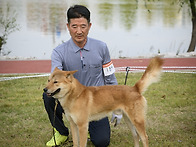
(83,104)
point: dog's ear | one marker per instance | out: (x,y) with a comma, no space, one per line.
(69,75)
(56,69)
(73,72)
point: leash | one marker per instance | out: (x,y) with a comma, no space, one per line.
(127,72)
(56,103)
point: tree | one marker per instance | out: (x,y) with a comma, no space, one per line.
(193,13)
(7,26)
(193,38)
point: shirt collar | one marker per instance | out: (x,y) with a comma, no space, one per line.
(77,48)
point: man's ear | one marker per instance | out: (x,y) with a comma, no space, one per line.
(68,26)
(90,24)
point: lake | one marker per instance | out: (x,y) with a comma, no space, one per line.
(131,28)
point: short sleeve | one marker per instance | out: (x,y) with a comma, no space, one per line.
(56,61)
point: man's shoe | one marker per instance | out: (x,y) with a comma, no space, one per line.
(58,138)
(88,137)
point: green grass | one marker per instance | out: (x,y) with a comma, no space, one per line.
(171,115)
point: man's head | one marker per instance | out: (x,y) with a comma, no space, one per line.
(78,11)
(78,24)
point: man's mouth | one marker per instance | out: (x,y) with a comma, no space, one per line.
(57,91)
(79,36)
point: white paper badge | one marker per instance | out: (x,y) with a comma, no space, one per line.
(108,69)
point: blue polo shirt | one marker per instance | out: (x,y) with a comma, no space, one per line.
(88,61)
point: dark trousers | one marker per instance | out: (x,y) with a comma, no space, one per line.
(99,130)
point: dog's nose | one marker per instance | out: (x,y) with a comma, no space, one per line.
(45,89)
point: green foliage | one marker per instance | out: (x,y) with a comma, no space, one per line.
(170,118)
(7,26)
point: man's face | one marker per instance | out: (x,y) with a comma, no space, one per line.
(79,28)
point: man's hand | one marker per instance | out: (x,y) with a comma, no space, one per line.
(116,117)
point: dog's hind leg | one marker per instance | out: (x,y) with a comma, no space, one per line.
(133,131)
(139,123)
(140,127)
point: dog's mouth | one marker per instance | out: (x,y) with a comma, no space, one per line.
(57,91)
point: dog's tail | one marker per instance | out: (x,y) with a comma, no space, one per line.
(151,75)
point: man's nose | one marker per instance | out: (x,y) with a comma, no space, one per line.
(79,30)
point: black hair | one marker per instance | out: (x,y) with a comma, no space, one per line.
(78,11)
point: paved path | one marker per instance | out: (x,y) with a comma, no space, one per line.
(43,66)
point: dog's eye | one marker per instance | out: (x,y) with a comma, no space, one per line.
(55,81)
(48,80)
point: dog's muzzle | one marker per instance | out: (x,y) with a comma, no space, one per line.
(53,93)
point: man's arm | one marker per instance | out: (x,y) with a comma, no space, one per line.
(111,80)
(56,61)
(108,69)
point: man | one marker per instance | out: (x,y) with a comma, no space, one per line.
(92,60)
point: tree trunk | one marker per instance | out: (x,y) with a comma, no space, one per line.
(193,38)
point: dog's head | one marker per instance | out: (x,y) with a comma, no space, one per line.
(59,83)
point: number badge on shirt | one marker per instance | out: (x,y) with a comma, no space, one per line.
(108,69)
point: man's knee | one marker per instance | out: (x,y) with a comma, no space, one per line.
(103,141)
(100,132)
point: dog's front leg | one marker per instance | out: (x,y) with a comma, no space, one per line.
(83,132)
(74,132)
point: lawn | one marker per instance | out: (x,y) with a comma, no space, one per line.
(171,115)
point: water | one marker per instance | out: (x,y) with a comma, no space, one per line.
(127,27)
